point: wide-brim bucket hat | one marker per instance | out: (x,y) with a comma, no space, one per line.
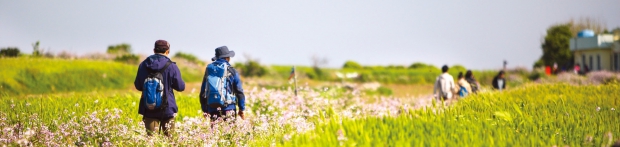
(222,52)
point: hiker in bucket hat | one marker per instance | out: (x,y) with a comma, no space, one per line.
(211,101)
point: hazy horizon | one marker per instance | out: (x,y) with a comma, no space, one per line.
(475,34)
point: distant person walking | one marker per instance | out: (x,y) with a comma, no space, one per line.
(499,82)
(464,87)
(444,85)
(157,77)
(222,89)
(469,77)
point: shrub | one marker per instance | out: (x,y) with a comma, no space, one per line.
(251,68)
(189,57)
(9,52)
(128,58)
(119,49)
(352,65)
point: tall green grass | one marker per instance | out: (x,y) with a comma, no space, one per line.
(543,115)
(44,75)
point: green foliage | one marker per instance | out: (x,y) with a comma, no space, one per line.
(352,65)
(381,91)
(540,63)
(189,57)
(420,65)
(36,51)
(42,75)
(556,45)
(458,68)
(251,68)
(542,115)
(9,52)
(119,49)
(128,58)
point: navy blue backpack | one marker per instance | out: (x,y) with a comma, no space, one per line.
(153,91)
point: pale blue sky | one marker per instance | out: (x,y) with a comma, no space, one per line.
(477,34)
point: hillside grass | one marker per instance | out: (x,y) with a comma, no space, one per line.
(382,74)
(27,75)
(541,115)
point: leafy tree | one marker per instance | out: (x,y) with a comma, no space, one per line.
(119,49)
(539,63)
(9,52)
(36,51)
(556,45)
(352,65)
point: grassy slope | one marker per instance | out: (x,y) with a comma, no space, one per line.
(43,75)
(543,115)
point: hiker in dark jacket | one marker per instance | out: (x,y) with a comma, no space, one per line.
(499,82)
(469,77)
(222,54)
(163,119)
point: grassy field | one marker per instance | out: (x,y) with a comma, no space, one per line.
(543,115)
(539,115)
(43,75)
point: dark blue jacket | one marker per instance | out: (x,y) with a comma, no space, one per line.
(237,89)
(172,80)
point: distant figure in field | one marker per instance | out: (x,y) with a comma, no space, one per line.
(469,77)
(577,69)
(444,85)
(499,82)
(464,87)
(222,89)
(157,77)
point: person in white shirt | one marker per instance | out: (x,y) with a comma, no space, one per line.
(444,85)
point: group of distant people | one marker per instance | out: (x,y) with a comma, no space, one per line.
(446,89)
(220,94)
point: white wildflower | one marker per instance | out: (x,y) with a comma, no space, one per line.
(598,108)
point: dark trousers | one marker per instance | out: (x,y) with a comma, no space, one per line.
(153,125)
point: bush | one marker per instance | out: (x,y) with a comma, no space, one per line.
(128,58)
(9,52)
(189,57)
(352,65)
(251,68)
(119,49)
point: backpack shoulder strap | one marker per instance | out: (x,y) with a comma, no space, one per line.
(166,66)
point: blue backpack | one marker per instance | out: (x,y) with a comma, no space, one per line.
(217,90)
(153,91)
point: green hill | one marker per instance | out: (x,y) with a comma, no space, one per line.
(44,75)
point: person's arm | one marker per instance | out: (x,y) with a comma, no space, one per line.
(202,97)
(140,77)
(238,90)
(177,82)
